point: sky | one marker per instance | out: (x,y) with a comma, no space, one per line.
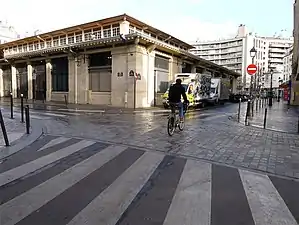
(187,20)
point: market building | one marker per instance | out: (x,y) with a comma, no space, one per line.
(118,61)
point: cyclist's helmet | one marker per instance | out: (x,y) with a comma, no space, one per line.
(178,81)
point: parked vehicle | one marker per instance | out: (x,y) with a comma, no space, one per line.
(219,91)
(197,88)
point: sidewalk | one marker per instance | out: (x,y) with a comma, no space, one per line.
(280,116)
(16,132)
(87,108)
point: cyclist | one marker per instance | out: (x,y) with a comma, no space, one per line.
(174,96)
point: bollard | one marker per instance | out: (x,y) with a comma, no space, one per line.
(252,107)
(22,108)
(3,129)
(247,112)
(265,117)
(27,118)
(239,110)
(65,99)
(11,106)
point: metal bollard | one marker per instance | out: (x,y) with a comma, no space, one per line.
(65,99)
(265,117)
(239,110)
(11,105)
(27,118)
(252,107)
(247,112)
(3,129)
(22,108)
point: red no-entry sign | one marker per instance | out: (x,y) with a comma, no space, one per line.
(251,69)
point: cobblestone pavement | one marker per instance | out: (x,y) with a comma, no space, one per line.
(72,181)
(280,116)
(208,135)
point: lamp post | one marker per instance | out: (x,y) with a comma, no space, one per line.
(252,55)
(279,91)
(271,91)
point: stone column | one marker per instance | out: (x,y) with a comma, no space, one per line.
(48,80)
(14,81)
(1,83)
(72,65)
(29,79)
(82,80)
(124,27)
(193,69)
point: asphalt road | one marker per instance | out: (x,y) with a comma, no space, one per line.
(59,180)
(124,169)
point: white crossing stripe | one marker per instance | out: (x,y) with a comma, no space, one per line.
(108,207)
(191,203)
(20,207)
(267,206)
(30,167)
(53,142)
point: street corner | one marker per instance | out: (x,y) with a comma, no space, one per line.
(15,137)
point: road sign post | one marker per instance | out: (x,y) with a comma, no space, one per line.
(251,70)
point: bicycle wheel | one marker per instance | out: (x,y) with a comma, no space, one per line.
(170,126)
(182,124)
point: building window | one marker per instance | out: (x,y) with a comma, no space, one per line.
(36,46)
(63,40)
(25,48)
(107,32)
(78,38)
(71,39)
(100,80)
(31,47)
(20,48)
(87,35)
(60,74)
(115,30)
(55,42)
(131,29)
(42,45)
(49,43)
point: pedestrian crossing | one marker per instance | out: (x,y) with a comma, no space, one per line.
(70,181)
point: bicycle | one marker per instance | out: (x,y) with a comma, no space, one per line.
(174,119)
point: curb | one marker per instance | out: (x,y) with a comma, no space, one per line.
(233,118)
(112,111)
(37,130)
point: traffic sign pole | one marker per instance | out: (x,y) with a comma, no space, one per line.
(251,70)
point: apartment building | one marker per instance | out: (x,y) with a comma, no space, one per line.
(287,65)
(234,54)
(295,59)
(7,33)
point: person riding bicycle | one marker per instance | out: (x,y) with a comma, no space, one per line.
(174,96)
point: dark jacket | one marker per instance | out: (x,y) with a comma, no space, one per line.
(175,93)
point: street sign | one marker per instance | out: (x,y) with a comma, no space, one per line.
(251,69)
(131,73)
